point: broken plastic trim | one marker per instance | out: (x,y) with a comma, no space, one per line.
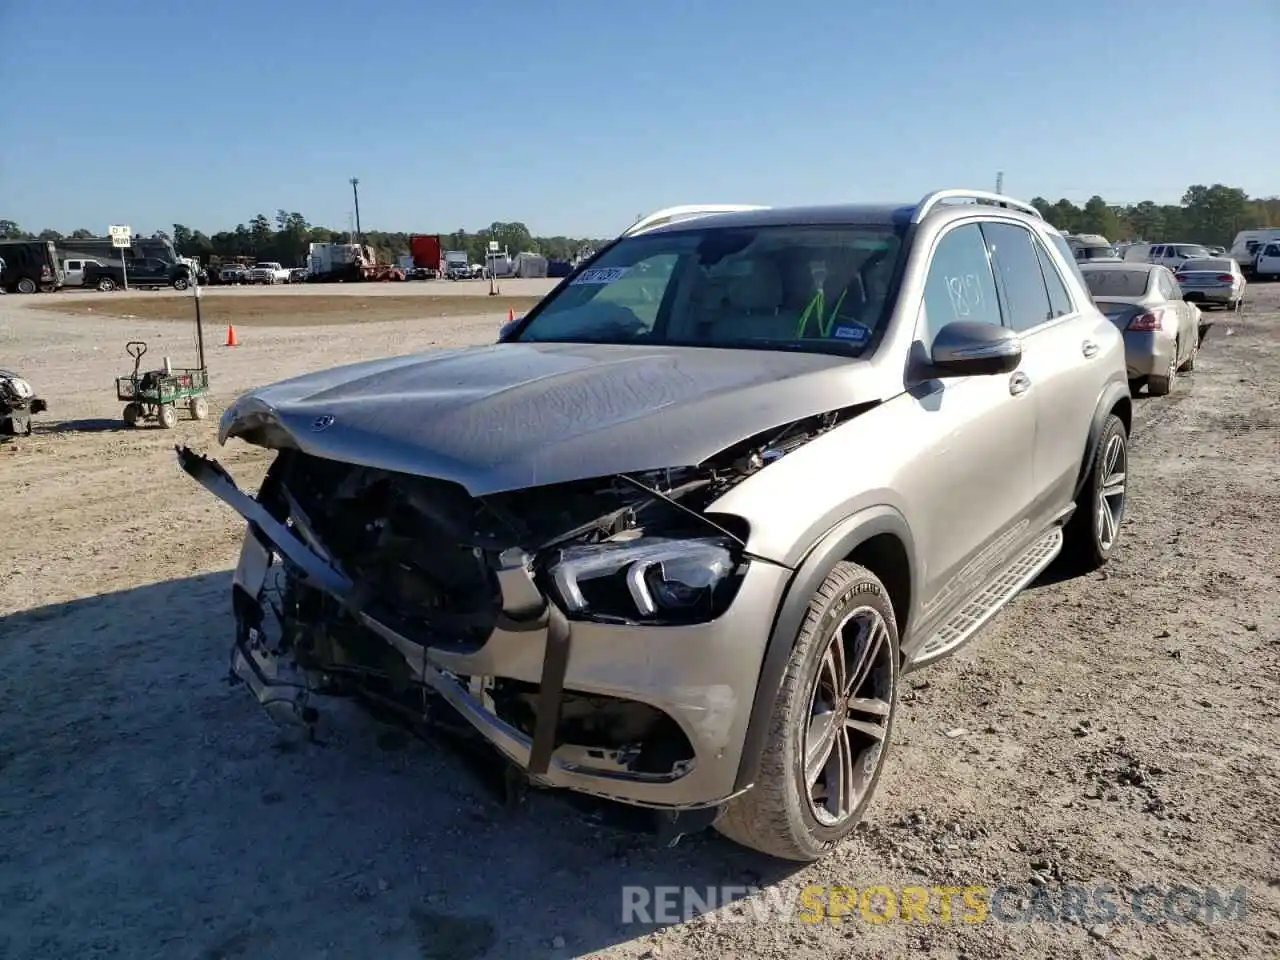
(530,611)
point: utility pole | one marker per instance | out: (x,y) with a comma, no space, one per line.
(1000,181)
(355,192)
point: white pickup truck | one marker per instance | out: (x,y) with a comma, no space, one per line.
(269,272)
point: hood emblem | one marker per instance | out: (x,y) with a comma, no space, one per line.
(322,423)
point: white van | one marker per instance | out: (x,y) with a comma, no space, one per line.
(1244,248)
(1267,262)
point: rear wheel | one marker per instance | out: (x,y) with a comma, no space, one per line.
(132,414)
(830,725)
(168,416)
(199,408)
(27,285)
(1091,533)
(1191,360)
(1163,386)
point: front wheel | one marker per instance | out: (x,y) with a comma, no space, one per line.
(132,414)
(830,725)
(199,408)
(1091,534)
(180,284)
(27,285)
(168,416)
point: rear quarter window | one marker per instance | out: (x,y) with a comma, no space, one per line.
(1060,242)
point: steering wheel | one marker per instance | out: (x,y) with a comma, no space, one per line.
(135,349)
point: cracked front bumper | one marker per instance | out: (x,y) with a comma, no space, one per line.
(702,676)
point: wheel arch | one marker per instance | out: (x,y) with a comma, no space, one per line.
(877,538)
(1115,399)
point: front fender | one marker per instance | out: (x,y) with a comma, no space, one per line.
(840,541)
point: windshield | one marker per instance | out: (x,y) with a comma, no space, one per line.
(1192,253)
(1117,283)
(824,289)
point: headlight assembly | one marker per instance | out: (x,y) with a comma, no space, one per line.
(648,578)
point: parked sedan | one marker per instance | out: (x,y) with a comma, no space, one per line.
(1161,330)
(1214,282)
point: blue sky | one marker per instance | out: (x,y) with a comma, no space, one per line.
(575,117)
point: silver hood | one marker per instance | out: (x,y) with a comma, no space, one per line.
(515,415)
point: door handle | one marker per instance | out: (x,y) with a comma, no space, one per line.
(1019,383)
(1089,349)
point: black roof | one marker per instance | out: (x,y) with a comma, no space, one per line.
(852,214)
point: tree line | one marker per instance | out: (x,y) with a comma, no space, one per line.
(287,238)
(1207,214)
(1212,215)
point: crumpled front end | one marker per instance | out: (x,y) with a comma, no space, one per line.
(606,635)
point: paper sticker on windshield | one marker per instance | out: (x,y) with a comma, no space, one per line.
(856,332)
(601,275)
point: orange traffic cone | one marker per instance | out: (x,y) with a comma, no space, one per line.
(511,314)
(231,337)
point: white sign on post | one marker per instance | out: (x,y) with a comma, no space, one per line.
(121,236)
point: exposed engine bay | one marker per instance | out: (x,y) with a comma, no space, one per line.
(404,576)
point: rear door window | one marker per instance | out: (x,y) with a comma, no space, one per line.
(1026,300)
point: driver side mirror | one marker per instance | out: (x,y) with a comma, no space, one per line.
(965,348)
(508,328)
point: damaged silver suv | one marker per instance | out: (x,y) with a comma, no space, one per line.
(675,538)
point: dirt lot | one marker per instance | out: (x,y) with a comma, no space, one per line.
(1118,729)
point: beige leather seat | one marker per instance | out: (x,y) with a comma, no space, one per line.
(753,307)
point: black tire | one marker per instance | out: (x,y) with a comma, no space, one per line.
(1163,386)
(1084,547)
(180,283)
(27,285)
(132,414)
(777,815)
(1191,360)
(106,284)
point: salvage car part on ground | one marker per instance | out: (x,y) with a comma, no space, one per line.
(18,403)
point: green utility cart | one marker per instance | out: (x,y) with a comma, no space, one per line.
(156,395)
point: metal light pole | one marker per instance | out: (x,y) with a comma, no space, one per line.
(355,192)
(1000,182)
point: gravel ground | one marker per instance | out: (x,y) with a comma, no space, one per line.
(1122,728)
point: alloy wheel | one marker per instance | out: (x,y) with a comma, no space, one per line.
(848,716)
(1111,492)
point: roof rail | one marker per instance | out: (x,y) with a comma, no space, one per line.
(668,215)
(938,197)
